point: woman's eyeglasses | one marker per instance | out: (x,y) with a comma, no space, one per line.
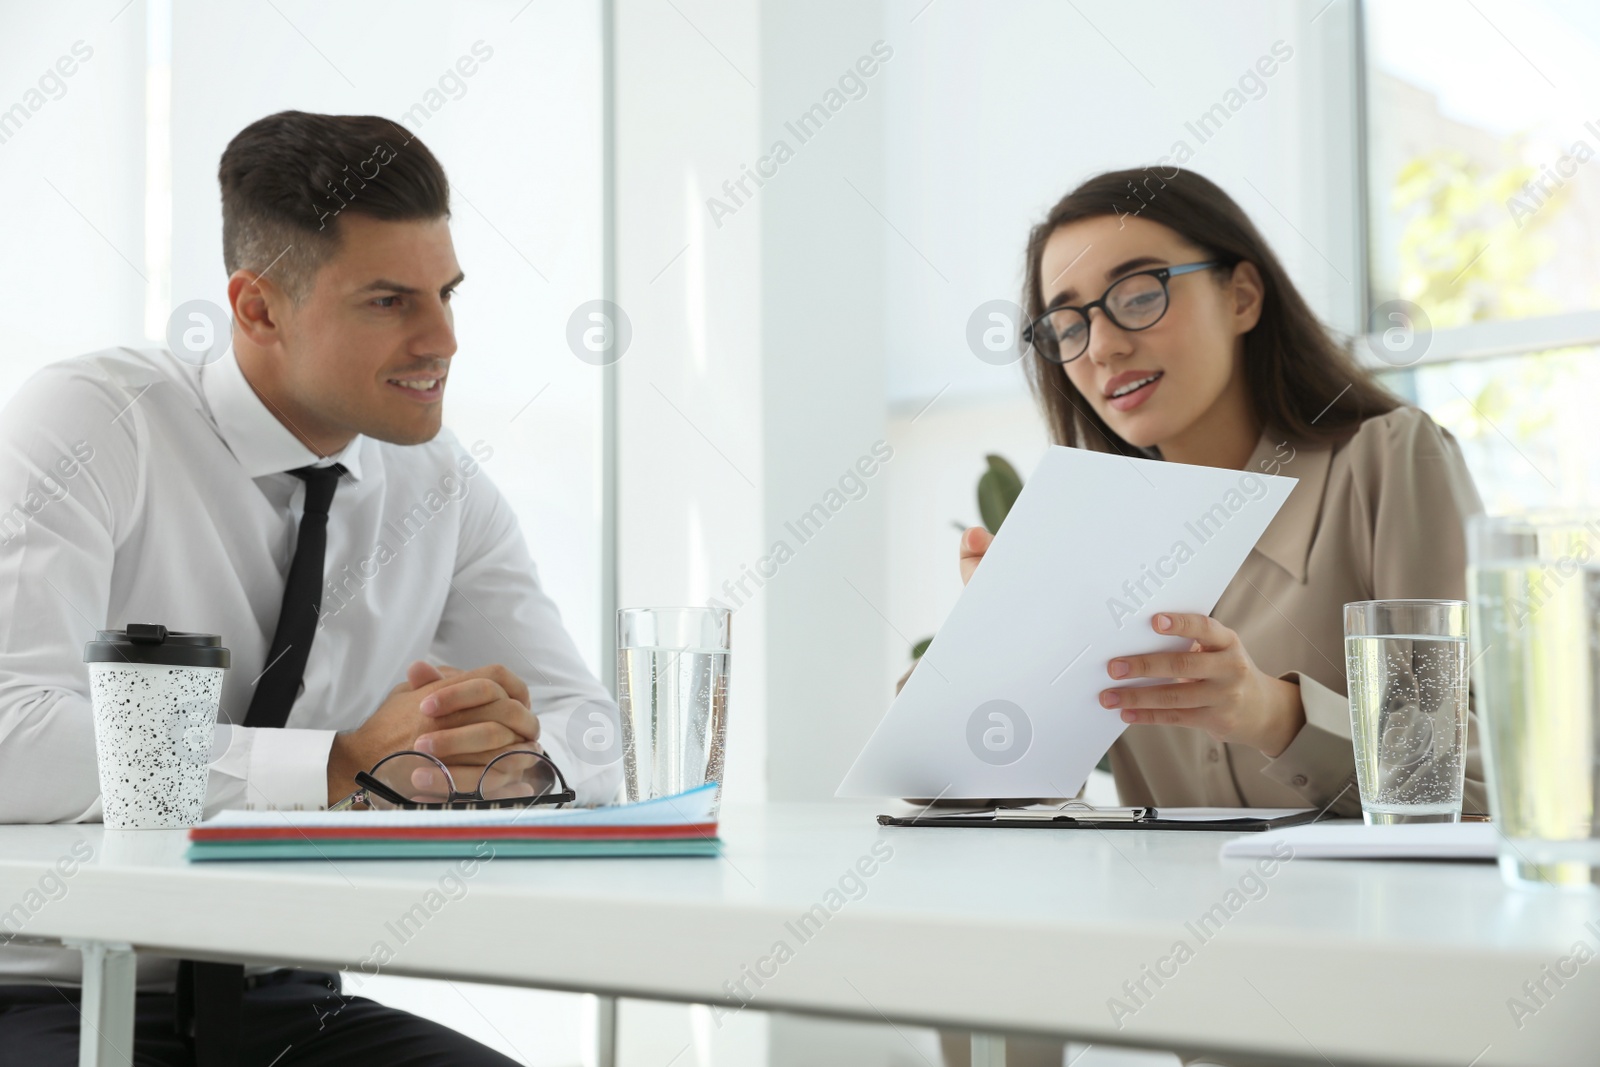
(416,780)
(1135,302)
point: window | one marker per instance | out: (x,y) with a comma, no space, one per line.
(1483,212)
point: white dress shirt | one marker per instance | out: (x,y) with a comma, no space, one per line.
(138,488)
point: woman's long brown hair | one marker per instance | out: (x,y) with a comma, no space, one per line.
(1302,381)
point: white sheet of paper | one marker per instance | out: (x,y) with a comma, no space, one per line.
(1355,841)
(1004,702)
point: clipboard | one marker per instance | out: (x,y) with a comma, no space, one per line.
(1080,816)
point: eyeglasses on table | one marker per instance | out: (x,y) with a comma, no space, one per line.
(412,780)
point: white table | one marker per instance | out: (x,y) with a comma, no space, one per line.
(1000,931)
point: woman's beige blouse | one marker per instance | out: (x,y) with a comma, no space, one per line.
(1380,516)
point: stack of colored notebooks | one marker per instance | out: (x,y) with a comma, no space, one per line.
(681,825)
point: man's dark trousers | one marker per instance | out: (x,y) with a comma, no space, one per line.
(290,1019)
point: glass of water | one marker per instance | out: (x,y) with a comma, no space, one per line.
(672,689)
(1534,582)
(1406,665)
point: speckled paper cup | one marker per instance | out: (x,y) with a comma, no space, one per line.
(155,694)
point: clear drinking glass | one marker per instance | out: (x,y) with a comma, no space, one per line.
(1406,665)
(672,690)
(1534,583)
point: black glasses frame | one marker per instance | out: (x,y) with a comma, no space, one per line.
(369,784)
(1050,349)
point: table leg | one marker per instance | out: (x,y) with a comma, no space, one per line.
(988,1050)
(109,980)
(606,1032)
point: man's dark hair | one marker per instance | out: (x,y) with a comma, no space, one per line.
(287,178)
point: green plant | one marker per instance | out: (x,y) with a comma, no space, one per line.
(998,490)
(1461,254)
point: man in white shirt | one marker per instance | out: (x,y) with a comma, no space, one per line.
(152,490)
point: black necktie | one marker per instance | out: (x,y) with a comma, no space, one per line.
(210,995)
(279,683)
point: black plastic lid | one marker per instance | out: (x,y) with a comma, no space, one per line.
(149,643)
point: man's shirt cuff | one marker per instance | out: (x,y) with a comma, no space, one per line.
(289,769)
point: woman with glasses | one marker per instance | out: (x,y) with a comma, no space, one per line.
(1162,326)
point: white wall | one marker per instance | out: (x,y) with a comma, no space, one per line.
(691,421)
(823,291)
(691,418)
(996,111)
(70,178)
(754,384)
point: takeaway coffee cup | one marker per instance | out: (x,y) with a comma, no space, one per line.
(155,693)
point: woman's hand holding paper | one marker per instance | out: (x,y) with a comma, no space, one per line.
(1217,688)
